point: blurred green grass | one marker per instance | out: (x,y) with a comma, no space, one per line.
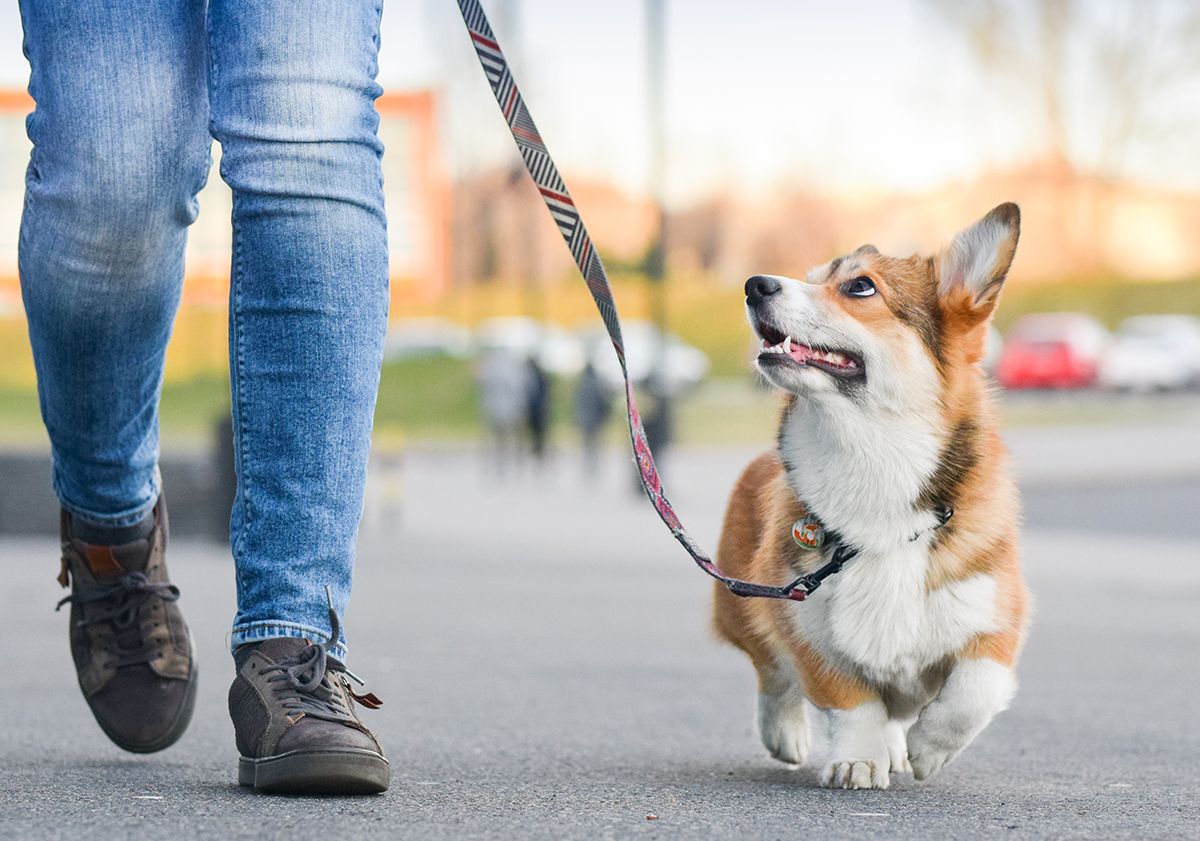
(434,400)
(430,399)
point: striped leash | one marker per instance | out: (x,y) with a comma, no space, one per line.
(558,201)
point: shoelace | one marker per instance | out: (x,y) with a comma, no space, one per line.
(122,603)
(302,682)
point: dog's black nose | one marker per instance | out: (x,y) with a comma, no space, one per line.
(760,287)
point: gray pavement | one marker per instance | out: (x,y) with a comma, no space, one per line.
(542,649)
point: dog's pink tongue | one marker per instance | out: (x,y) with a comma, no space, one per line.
(800,353)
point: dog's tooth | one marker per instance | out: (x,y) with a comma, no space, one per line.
(787,344)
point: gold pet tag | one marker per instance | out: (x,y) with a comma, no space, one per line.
(808,533)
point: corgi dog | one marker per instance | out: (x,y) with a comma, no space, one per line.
(888,445)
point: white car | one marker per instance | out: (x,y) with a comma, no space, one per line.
(1153,353)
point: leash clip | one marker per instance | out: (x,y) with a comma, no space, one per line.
(812,580)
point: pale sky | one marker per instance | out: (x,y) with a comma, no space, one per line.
(857,94)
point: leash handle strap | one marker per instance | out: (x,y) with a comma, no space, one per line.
(561,206)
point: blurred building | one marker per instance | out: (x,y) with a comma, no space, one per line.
(416,194)
(502,232)
(1075,226)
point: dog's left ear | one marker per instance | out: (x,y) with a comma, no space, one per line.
(973,267)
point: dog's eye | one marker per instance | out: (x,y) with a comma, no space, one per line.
(860,287)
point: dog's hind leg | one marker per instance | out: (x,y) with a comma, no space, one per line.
(782,722)
(895,735)
(782,719)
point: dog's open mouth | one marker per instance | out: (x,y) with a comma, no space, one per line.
(779,349)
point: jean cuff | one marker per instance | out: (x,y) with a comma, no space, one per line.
(111,521)
(259,631)
(120,520)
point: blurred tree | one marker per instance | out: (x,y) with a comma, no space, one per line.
(1104,73)
(701,232)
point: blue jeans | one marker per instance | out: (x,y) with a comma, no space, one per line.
(129,94)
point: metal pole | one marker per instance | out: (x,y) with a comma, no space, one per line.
(656,263)
(655,61)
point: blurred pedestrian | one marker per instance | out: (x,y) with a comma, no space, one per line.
(593,407)
(537,407)
(129,96)
(503,390)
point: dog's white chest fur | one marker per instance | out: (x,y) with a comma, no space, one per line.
(877,617)
(863,477)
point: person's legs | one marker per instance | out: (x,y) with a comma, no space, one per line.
(292,90)
(120,148)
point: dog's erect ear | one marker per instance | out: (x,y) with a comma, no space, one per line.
(977,260)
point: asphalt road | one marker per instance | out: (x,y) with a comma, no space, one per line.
(542,649)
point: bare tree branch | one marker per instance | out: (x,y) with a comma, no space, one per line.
(1134,58)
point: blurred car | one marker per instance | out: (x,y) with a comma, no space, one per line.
(556,350)
(409,338)
(648,353)
(1153,353)
(1052,350)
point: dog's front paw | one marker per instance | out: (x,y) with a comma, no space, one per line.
(973,693)
(928,763)
(854,773)
(927,755)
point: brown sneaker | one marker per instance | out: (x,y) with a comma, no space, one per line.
(295,724)
(132,650)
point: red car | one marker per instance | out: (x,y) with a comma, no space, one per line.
(1052,351)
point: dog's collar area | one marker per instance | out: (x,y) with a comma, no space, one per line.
(810,534)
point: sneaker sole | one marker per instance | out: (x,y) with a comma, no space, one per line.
(317,772)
